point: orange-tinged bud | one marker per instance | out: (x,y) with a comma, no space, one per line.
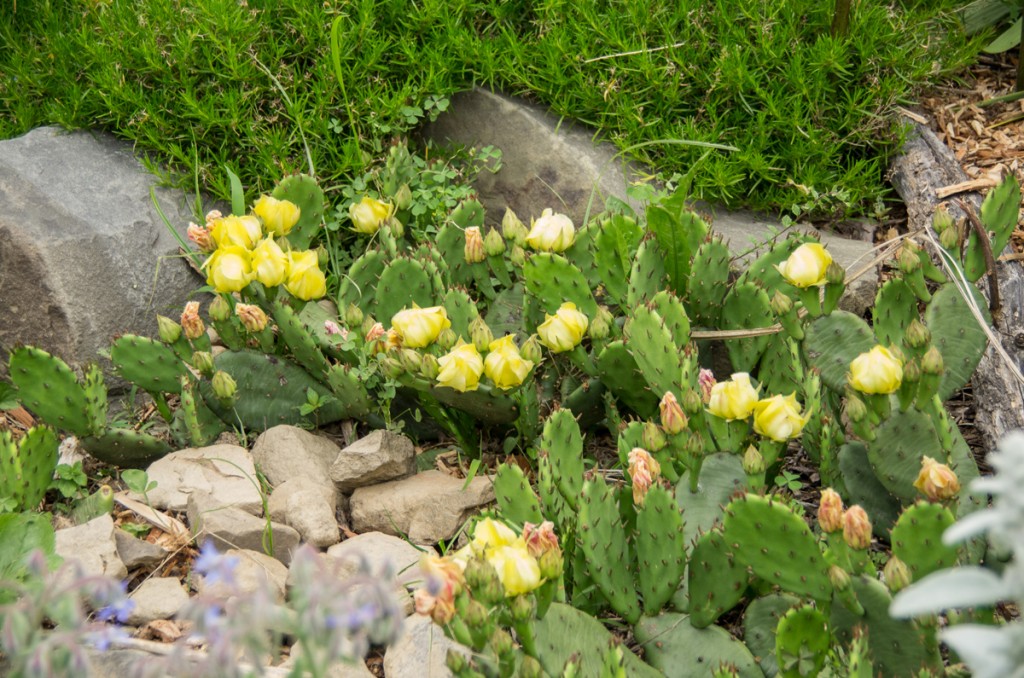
(540,538)
(191,323)
(201,237)
(839,577)
(474,248)
(830,511)
(643,471)
(937,481)
(673,419)
(856,528)
(252,317)
(706,382)
(375,332)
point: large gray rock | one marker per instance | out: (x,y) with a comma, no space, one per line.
(428,507)
(286,452)
(380,456)
(93,545)
(232,528)
(549,162)
(226,471)
(308,506)
(81,242)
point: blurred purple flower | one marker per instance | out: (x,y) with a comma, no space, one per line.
(215,566)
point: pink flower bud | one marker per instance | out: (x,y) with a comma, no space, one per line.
(830,511)
(673,419)
(191,323)
(643,470)
(706,381)
(856,528)
(201,237)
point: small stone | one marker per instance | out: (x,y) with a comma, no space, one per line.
(225,471)
(286,452)
(278,500)
(138,552)
(421,650)
(229,527)
(255,570)
(313,518)
(157,598)
(376,458)
(94,546)
(428,507)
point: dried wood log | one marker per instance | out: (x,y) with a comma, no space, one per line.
(925,166)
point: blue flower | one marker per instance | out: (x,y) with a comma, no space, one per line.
(118,605)
(215,566)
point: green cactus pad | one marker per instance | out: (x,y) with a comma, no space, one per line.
(678,232)
(760,622)
(781,368)
(461,311)
(27,465)
(777,545)
(660,551)
(917,539)
(555,506)
(563,443)
(148,364)
(677,648)
(621,374)
(552,280)
(802,642)
(896,646)
(721,476)
(566,632)
(629,437)
(716,581)
(359,287)
(615,243)
(95,397)
(486,404)
(650,341)
(203,430)
(864,488)
(603,539)
(900,443)
(895,306)
(516,498)
(270,391)
(671,310)
(999,213)
(300,341)
(304,192)
(451,243)
(100,502)
(746,307)
(505,315)
(832,342)
(709,282)
(647,276)
(48,387)
(349,390)
(125,448)
(957,335)
(586,401)
(403,283)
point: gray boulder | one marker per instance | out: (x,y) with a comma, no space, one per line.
(224,470)
(232,528)
(93,545)
(286,452)
(84,255)
(380,456)
(157,598)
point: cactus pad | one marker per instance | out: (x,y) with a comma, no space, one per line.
(677,648)
(615,242)
(486,404)
(403,283)
(678,232)
(746,307)
(917,539)
(709,282)
(516,499)
(148,364)
(721,476)
(563,443)
(671,310)
(461,311)
(48,387)
(647,276)
(552,280)
(650,341)
(26,466)
(957,335)
(781,368)
(832,342)
(621,374)
(802,642)
(895,307)
(125,448)
(716,581)
(603,538)
(359,287)
(900,443)
(864,488)
(760,622)
(660,552)
(999,213)
(300,341)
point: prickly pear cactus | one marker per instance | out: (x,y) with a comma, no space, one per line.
(900,443)
(760,622)
(552,280)
(717,581)
(615,242)
(562,441)
(516,498)
(403,283)
(125,448)
(300,341)
(999,212)
(832,342)
(650,341)
(461,311)
(895,306)
(957,336)
(26,466)
(604,541)
(802,642)
(917,539)
(359,287)
(621,374)
(48,387)
(647,276)
(678,232)
(709,282)
(721,476)
(304,192)
(148,364)
(865,489)
(746,307)
(677,648)
(660,553)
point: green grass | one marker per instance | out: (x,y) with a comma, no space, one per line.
(198,84)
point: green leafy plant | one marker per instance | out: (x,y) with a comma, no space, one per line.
(69,480)
(138,482)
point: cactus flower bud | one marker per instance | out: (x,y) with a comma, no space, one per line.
(897,574)
(830,511)
(203,362)
(395,227)
(856,410)
(912,372)
(706,382)
(480,334)
(551,233)
(201,237)
(522,608)
(219,309)
(839,577)
(353,316)
(447,339)
(695,445)
(806,266)
(779,417)
(835,274)
(368,214)
(517,256)
(476,615)
(420,327)
(212,216)
(474,247)
(392,366)
(692,402)
(941,219)
(323,257)
(931,362)
(781,304)
(601,327)
(856,528)
(530,668)
(673,419)
(168,330)
(501,642)
(253,318)
(278,216)
(456,662)
(375,332)
(908,259)
(653,437)
(753,461)
(504,365)
(950,238)
(643,471)
(733,399)
(191,323)
(917,334)
(531,350)
(512,229)
(494,244)
(224,386)
(411,360)
(403,197)
(461,368)
(877,371)
(429,367)
(936,481)
(564,330)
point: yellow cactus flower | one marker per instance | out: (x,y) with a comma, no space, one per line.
(779,417)
(733,399)
(551,233)
(490,534)
(279,216)
(877,371)
(241,231)
(305,279)
(229,269)
(564,330)
(518,571)
(461,368)
(806,266)
(419,327)
(937,481)
(504,365)
(269,263)
(368,214)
